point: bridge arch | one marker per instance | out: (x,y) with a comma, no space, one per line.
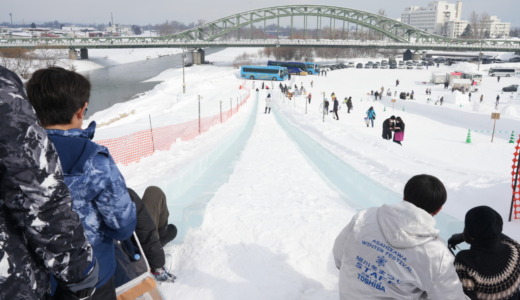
(394,30)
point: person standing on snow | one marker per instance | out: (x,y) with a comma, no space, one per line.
(40,233)
(326,106)
(349,105)
(371,116)
(267,104)
(388,126)
(335,108)
(309,98)
(394,251)
(398,130)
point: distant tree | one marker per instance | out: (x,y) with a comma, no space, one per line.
(33,25)
(165,29)
(18,60)
(483,21)
(242,60)
(136,30)
(467,33)
(474,21)
(514,32)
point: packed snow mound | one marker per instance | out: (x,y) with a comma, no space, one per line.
(509,110)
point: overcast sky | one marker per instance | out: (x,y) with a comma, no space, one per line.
(143,12)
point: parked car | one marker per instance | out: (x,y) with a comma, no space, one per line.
(359,66)
(393,66)
(515,59)
(511,88)
(351,65)
(368,66)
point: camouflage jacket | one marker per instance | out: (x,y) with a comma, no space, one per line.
(99,193)
(39,233)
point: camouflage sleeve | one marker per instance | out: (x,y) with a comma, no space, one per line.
(32,187)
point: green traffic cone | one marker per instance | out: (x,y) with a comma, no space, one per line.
(468,138)
(384,109)
(512,138)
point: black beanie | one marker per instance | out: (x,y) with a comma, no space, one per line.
(483,223)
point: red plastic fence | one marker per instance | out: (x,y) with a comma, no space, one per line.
(515,201)
(131,148)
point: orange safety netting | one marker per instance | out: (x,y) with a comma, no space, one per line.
(131,148)
(515,201)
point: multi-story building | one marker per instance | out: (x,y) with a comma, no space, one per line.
(443,18)
(455,29)
(493,28)
(434,17)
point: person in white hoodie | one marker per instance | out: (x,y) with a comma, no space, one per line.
(395,252)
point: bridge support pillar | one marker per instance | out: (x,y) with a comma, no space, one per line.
(84,53)
(198,57)
(73,54)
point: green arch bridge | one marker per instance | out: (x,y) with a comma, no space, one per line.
(388,33)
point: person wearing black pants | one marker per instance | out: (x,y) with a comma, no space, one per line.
(335,108)
(388,126)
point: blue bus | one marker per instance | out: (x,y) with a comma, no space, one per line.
(264,72)
(297,68)
(312,68)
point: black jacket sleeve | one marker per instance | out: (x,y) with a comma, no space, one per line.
(147,234)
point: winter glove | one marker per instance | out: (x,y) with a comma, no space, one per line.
(454,240)
(162,275)
(84,289)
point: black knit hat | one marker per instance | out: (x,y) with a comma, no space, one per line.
(482,223)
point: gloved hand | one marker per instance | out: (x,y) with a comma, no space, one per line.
(162,275)
(454,240)
(84,289)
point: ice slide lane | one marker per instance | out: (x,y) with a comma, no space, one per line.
(358,190)
(189,194)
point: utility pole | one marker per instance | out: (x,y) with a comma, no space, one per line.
(183,78)
(11,15)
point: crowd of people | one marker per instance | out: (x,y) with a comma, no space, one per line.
(72,229)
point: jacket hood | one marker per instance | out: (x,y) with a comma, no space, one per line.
(404,225)
(74,147)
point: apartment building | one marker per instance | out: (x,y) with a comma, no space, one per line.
(434,17)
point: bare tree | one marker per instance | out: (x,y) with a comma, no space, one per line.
(474,21)
(49,57)
(484,19)
(18,60)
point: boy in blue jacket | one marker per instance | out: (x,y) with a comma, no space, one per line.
(99,193)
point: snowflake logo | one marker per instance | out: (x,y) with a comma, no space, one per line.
(381,261)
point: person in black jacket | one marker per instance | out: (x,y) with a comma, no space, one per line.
(490,269)
(148,233)
(40,234)
(335,108)
(388,126)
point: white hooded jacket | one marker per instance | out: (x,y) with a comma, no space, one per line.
(395,252)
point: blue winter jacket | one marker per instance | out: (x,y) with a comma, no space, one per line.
(99,193)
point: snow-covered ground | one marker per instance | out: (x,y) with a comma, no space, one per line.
(268,229)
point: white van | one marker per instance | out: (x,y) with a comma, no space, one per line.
(505,72)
